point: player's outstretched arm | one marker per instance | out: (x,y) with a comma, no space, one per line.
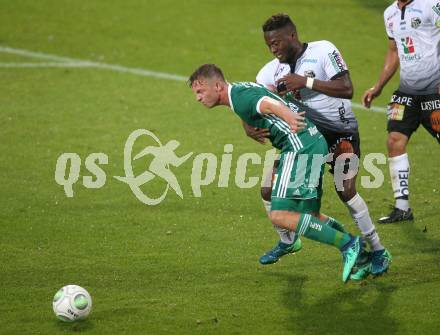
(296,121)
(389,68)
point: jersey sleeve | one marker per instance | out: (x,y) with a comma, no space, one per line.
(388,26)
(266,76)
(333,63)
(246,104)
(434,12)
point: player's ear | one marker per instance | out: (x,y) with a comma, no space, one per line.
(293,35)
(218,85)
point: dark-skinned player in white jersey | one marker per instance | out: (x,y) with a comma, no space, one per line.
(316,74)
(413,29)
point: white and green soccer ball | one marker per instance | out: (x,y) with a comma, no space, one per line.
(71,303)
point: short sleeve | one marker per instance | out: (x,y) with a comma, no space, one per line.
(434,12)
(266,76)
(388,26)
(246,103)
(334,64)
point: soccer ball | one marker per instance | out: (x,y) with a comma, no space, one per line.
(71,303)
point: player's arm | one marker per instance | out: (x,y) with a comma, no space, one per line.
(268,105)
(263,78)
(389,68)
(339,87)
(258,134)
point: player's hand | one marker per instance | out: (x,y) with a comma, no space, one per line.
(258,134)
(272,88)
(296,121)
(369,95)
(292,82)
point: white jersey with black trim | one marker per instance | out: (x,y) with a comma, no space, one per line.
(416,31)
(323,61)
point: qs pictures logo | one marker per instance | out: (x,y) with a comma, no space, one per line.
(162,162)
(148,165)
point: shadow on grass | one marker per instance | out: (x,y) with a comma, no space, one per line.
(74,327)
(358,309)
(420,239)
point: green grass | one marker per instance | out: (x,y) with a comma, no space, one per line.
(186,266)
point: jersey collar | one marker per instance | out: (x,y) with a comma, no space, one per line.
(293,64)
(229,96)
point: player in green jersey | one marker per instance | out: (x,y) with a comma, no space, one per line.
(296,195)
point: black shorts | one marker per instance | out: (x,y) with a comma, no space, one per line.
(406,112)
(342,143)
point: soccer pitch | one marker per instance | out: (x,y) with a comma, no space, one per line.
(80,76)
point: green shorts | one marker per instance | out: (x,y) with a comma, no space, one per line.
(297,184)
(296,205)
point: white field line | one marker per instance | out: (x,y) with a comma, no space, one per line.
(89,63)
(45,65)
(59,61)
(372,108)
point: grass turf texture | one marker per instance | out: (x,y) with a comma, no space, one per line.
(186,266)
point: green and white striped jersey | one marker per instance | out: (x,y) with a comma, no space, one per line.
(245,99)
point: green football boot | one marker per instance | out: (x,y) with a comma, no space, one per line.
(278,251)
(362,268)
(350,253)
(380,262)
(361,272)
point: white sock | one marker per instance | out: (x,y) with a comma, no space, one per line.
(359,212)
(399,172)
(402,204)
(267,205)
(286,236)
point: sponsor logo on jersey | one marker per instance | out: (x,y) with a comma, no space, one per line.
(313,131)
(342,117)
(390,26)
(309,73)
(337,61)
(416,22)
(310,60)
(436,8)
(410,10)
(392,15)
(395,112)
(408,45)
(409,58)
(280,70)
(293,107)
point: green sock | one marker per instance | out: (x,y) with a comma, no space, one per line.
(316,230)
(331,222)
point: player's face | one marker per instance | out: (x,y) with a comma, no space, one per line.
(281,44)
(206,92)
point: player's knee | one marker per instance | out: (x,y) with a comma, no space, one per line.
(277,218)
(347,193)
(266,193)
(396,144)
(285,219)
